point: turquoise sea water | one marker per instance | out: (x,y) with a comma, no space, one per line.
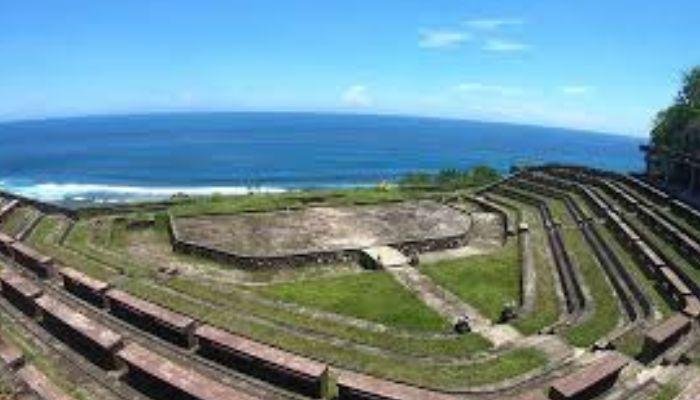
(119,158)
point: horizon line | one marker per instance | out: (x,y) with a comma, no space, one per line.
(312,112)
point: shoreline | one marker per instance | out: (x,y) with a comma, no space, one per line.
(88,194)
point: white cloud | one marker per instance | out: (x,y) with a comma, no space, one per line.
(576,90)
(505,46)
(441,38)
(480,88)
(357,96)
(492,23)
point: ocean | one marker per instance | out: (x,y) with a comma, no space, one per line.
(140,157)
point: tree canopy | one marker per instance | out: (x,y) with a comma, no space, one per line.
(678,126)
(451,178)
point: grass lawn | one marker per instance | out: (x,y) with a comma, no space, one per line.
(18,218)
(509,364)
(486,282)
(668,391)
(546,310)
(374,296)
(631,343)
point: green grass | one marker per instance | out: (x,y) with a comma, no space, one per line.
(664,210)
(268,202)
(486,282)
(45,239)
(606,313)
(444,376)
(668,250)
(452,345)
(546,309)
(631,343)
(509,364)
(374,296)
(648,284)
(18,218)
(668,391)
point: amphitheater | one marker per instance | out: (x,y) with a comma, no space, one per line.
(574,283)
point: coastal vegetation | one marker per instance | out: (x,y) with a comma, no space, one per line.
(450,178)
(412,186)
(678,126)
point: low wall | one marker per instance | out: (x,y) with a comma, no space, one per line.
(46,208)
(409,248)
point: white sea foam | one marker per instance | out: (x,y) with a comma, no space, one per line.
(113,193)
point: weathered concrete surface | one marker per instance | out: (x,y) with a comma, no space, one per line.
(451,254)
(320,229)
(385,257)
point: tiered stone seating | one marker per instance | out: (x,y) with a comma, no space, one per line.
(664,335)
(20,291)
(354,386)
(161,377)
(288,370)
(590,381)
(85,287)
(92,339)
(31,259)
(160,321)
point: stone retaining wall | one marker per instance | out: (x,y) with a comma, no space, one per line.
(409,248)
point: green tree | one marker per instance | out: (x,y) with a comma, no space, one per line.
(451,178)
(689,95)
(676,126)
(483,175)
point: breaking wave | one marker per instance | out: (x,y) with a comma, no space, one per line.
(101,193)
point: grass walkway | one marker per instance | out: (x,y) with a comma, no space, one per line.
(546,310)
(606,313)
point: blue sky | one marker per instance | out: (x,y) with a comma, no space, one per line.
(602,65)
